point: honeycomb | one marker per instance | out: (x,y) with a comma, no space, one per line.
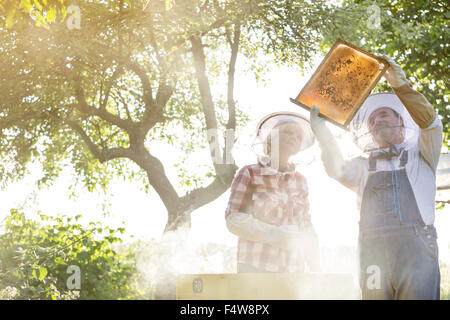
(341,82)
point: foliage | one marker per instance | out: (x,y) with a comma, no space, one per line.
(414,33)
(49,64)
(42,11)
(45,64)
(35,257)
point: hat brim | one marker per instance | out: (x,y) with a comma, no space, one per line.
(271,120)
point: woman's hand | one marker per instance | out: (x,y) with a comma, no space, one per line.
(291,238)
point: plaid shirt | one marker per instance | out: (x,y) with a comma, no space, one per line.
(277,198)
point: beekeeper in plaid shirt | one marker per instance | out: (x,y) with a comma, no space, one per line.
(268,208)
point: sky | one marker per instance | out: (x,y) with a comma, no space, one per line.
(332,206)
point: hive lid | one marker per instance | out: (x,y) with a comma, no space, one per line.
(342,82)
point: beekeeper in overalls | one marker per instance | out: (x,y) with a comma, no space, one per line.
(396,184)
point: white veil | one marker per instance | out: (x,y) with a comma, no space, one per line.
(362,136)
(269,122)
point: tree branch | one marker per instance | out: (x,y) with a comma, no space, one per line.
(103,154)
(215,25)
(203,83)
(145,81)
(201,196)
(8,122)
(231,125)
(234,44)
(108,88)
(205,93)
(157,178)
(85,108)
(153,108)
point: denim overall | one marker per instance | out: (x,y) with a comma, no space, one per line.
(398,253)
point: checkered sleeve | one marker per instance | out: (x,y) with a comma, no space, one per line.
(305,218)
(240,190)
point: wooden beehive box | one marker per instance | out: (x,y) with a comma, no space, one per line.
(266,286)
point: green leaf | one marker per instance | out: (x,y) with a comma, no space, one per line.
(37,4)
(26,5)
(10,19)
(63,12)
(51,14)
(42,273)
(169,4)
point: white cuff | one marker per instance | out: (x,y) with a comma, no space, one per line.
(435,123)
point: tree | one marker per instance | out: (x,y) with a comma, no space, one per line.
(414,33)
(136,71)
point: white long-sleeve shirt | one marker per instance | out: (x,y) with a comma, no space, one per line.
(422,162)
(420,169)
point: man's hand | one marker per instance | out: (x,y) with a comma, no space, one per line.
(394,74)
(316,121)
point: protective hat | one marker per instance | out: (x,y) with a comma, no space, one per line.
(273,120)
(359,126)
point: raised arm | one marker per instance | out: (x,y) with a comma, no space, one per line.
(347,172)
(422,112)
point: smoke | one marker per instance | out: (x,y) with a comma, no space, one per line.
(159,263)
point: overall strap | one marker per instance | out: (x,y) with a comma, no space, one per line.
(404,158)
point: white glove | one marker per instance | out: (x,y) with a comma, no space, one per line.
(247,227)
(394,74)
(290,237)
(289,228)
(318,125)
